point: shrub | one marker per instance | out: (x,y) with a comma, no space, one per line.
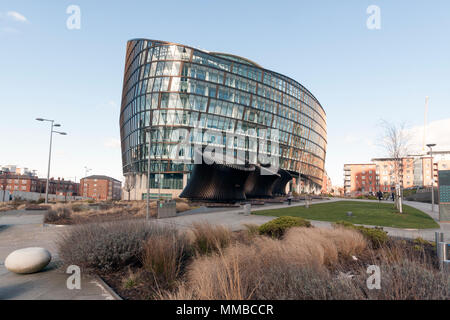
(410,280)
(422,242)
(106,246)
(164,256)
(57,213)
(78,207)
(291,268)
(377,236)
(252,229)
(182,206)
(278,226)
(209,238)
(132,279)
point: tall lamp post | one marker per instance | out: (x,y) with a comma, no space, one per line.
(53,124)
(431,145)
(86,171)
(148,171)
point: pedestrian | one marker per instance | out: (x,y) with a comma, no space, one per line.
(393,196)
(379,195)
(289,198)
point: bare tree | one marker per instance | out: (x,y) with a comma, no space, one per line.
(130,182)
(395,141)
(4,184)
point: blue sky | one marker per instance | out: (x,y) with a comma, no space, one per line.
(359,75)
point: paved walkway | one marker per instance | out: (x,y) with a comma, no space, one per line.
(234,219)
(21,229)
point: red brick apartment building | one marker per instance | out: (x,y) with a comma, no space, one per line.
(327,187)
(16,182)
(360,178)
(415,171)
(100,187)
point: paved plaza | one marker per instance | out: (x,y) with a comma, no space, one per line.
(20,229)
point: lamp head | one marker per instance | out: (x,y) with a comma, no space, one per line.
(430,145)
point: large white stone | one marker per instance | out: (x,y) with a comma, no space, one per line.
(28,260)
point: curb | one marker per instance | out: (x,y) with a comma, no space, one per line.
(54,225)
(108,288)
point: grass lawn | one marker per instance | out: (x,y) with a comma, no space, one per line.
(369,213)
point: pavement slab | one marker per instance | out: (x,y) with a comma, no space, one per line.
(24,230)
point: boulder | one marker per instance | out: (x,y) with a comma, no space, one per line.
(28,260)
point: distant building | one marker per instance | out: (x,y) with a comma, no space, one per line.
(60,187)
(327,187)
(414,171)
(12,181)
(100,187)
(360,178)
(15,170)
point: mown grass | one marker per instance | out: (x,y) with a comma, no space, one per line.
(368,213)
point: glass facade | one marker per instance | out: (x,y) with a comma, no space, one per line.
(168,87)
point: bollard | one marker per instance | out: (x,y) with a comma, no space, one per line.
(438,237)
(441,253)
(247,209)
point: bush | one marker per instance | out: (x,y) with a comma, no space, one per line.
(291,268)
(57,213)
(277,227)
(78,207)
(422,242)
(164,256)
(252,229)
(410,280)
(182,206)
(107,246)
(377,236)
(209,238)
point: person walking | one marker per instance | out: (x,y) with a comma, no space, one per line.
(289,198)
(379,195)
(393,196)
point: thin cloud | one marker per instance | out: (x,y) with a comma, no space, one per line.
(16,16)
(9,30)
(437,132)
(112,143)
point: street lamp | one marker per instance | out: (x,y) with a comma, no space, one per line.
(431,145)
(148,171)
(53,124)
(86,171)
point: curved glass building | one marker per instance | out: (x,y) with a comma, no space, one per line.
(173,93)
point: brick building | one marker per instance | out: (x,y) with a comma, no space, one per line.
(16,182)
(60,187)
(100,187)
(29,183)
(360,178)
(413,171)
(327,187)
